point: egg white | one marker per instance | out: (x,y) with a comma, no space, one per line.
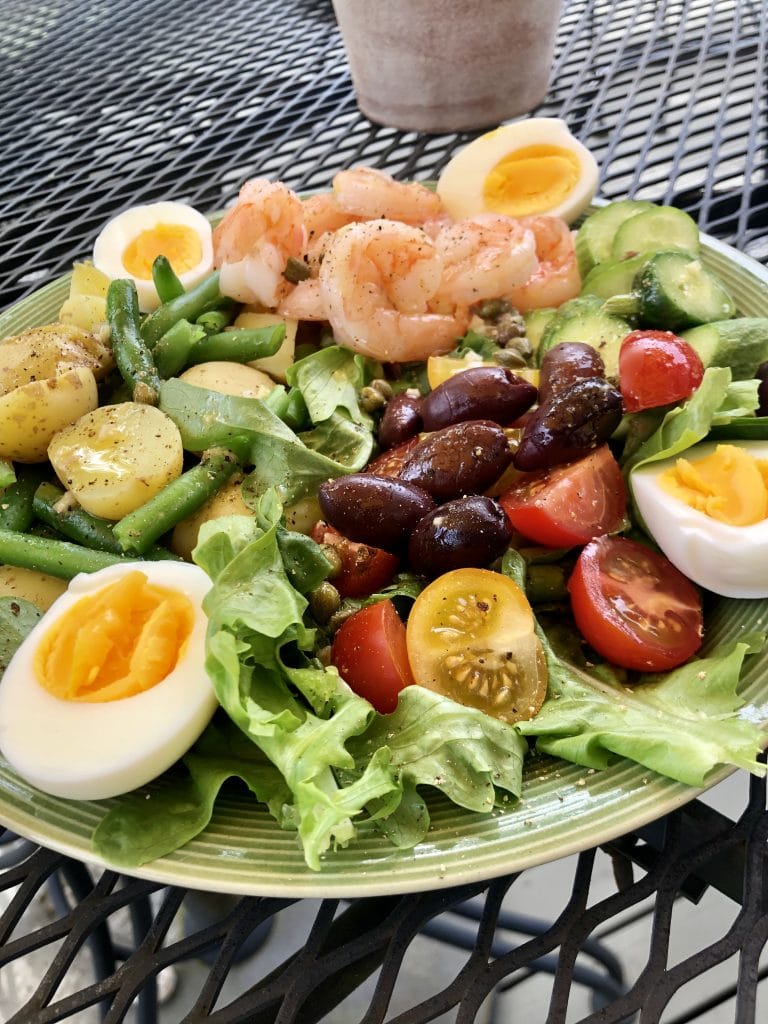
(728,560)
(88,751)
(461,183)
(119,232)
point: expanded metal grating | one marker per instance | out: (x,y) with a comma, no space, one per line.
(106,104)
(101,949)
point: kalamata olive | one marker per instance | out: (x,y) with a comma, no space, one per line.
(376,510)
(484,392)
(462,459)
(569,425)
(565,364)
(401,420)
(470,531)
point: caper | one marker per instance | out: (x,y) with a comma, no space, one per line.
(492,309)
(296,270)
(382,386)
(324,600)
(371,399)
(335,560)
(340,617)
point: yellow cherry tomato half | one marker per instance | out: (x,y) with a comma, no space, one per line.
(471,637)
(440,368)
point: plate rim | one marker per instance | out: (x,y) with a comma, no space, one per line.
(438,870)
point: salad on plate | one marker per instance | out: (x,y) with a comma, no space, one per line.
(382,491)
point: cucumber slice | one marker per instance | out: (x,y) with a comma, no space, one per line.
(741,344)
(676,291)
(536,322)
(601,330)
(663,227)
(614,277)
(595,236)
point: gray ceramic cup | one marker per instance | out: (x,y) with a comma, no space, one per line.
(448,65)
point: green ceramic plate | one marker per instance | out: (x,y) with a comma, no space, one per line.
(564,808)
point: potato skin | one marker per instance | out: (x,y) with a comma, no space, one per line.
(117,457)
(31,415)
(229,379)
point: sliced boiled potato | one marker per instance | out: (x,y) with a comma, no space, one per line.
(32,414)
(226,502)
(277,364)
(303,515)
(85,311)
(87,280)
(117,457)
(86,306)
(38,588)
(43,352)
(230,379)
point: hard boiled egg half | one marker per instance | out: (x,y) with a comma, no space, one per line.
(707,509)
(529,167)
(109,688)
(128,245)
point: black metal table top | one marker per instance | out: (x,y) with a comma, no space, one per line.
(109,104)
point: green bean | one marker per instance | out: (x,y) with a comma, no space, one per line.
(80,526)
(167,285)
(7,474)
(188,306)
(171,353)
(55,557)
(240,345)
(133,358)
(213,320)
(75,523)
(16,512)
(183,496)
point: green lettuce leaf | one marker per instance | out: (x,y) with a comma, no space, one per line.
(293,464)
(17,619)
(330,380)
(433,741)
(255,619)
(158,819)
(717,400)
(683,724)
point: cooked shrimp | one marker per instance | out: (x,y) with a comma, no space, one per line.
(322,216)
(557,278)
(305,302)
(484,257)
(366,192)
(255,239)
(377,279)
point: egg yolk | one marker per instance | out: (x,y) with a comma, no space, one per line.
(178,243)
(531,180)
(118,642)
(729,485)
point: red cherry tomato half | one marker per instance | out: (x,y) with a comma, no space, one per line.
(369,651)
(634,607)
(569,504)
(364,569)
(656,368)
(390,463)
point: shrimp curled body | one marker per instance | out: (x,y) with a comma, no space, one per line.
(377,280)
(255,239)
(485,257)
(557,278)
